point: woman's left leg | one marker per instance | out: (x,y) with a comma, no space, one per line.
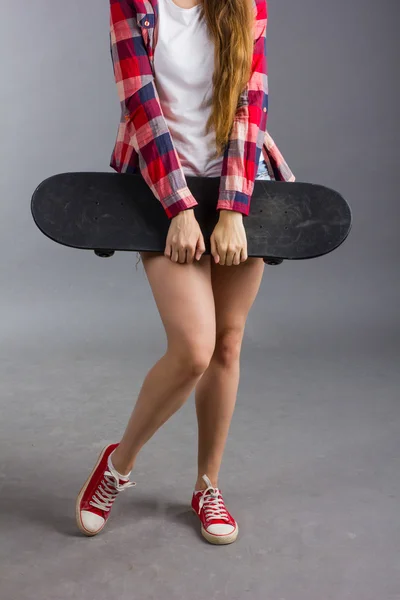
(235,289)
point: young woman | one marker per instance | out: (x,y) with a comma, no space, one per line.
(192,81)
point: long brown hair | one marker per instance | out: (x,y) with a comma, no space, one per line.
(230,24)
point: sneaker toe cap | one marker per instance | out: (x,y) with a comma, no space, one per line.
(91,522)
(220,529)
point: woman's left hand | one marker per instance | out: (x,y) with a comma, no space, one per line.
(228,240)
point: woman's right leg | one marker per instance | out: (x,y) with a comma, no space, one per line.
(185,301)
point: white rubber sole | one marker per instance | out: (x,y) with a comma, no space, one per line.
(80,496)
(218,540)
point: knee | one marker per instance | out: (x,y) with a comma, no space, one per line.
(192,359)
(228,346)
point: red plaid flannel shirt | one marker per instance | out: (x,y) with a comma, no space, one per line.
(143,138)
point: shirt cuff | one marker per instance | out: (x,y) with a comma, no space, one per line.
(181,200)
(241,206)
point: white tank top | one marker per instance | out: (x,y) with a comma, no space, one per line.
(183,68)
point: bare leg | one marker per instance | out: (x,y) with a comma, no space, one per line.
(184,298)
(235,289)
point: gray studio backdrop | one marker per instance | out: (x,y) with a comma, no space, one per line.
(78,333)
(333,113)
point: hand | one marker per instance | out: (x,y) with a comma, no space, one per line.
(185,239)
(228,240)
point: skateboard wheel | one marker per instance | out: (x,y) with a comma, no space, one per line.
(104,253)
(273,261)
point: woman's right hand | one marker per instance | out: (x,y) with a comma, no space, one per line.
(184,240)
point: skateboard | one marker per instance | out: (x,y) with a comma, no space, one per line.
(109,212)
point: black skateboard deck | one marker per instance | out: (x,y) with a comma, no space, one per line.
(107,212)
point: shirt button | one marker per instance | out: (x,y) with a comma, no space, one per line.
(147,23)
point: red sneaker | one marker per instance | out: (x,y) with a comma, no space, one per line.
(97,495)
(217,524)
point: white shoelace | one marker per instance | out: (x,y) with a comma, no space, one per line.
(107,491)
(212,501)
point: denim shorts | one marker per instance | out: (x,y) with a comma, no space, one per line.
(262,172)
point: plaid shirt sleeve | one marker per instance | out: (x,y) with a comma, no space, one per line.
(147,129)
(242,153)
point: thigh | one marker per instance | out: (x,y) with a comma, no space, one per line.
(235,288)
(184,298)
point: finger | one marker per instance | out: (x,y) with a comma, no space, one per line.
(243,255)
(223,251)
(190,254)
(214,251)
(167,251)
(200,248)
(182,255)
(174,254)
(236,258)
(229,257)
